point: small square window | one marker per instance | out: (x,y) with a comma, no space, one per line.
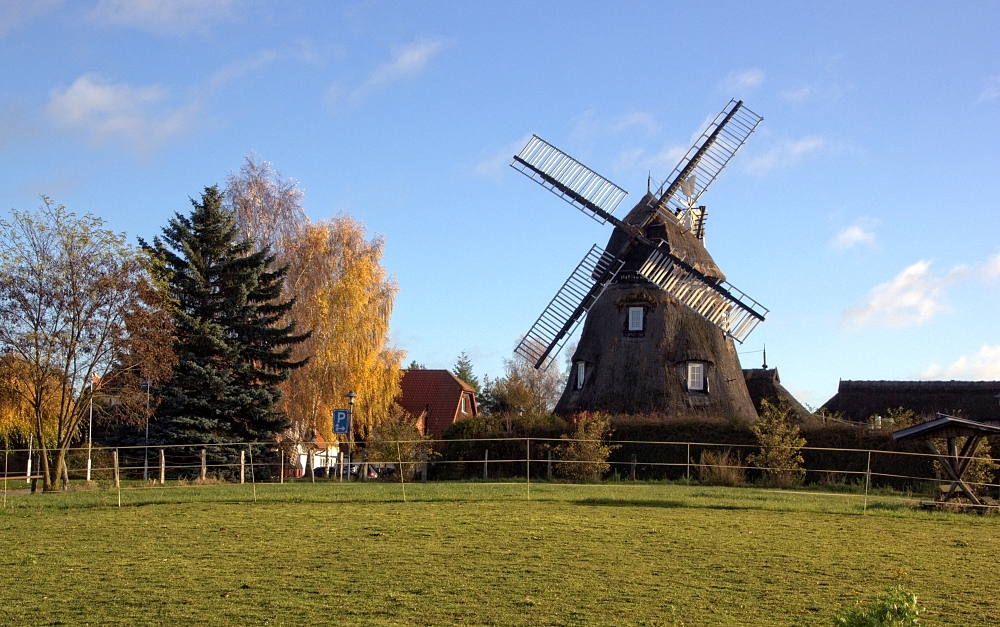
(696,377)
(581,373)
(635,318)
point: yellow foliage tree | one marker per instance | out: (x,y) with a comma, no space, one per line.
(342,294)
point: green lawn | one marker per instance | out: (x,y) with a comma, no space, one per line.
(483,554)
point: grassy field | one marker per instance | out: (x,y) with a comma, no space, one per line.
(483,554)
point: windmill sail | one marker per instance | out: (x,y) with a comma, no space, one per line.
(569,179)
(581,290)
(718,302)
(706,158)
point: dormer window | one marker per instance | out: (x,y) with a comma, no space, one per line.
(696,377)
(464,411)
(635,318)
(581,374)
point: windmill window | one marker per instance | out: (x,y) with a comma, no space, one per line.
(696,377)
(463,405)
(581,373)
(635,318)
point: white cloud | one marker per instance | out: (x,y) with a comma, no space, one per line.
(495,165)
(861,233)
(982,366)
(242,68)
(786,153)
(14,13)
(171,17)
(912,298)
(589,126)
(107,111)
(915,296)
(745,80)
(799,95)
(991,90)
(407,62)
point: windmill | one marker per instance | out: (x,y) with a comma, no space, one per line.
(660,316)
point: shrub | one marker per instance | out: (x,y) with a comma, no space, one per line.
(894,608)
(721,468)
(584,455)
(780,456)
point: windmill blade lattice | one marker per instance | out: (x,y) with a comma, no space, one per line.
(718,302)
(706,158)
(581,290)
(569,179)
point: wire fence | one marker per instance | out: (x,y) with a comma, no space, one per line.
(492,459)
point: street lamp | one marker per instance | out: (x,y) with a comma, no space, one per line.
(350,431)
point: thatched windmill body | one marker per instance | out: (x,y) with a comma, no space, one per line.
(660,317)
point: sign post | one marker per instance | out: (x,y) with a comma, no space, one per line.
(341,425)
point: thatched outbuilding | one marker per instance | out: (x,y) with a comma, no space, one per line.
(764,383)
(974,400)
(642,351)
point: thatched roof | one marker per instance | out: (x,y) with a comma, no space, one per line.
(681,239)
(765,383)
(975,400)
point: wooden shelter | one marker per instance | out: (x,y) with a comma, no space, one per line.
(954,461)
(859,400)
(642,351)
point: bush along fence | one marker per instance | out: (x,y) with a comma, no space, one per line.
(494,459)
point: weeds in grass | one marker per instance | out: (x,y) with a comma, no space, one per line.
(893,608)
(722,467)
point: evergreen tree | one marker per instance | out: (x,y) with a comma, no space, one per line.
(463,370)
(232,342)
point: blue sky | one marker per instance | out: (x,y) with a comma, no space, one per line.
(862,212)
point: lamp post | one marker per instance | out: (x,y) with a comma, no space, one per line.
(145,460)
(350,431)
(90,429)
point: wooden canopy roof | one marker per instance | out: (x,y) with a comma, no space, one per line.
(945,426)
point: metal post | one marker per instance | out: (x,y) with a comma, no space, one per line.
(868,478)
(163,467)
(687,465)
(350,430)
(145,459)
(243,468)
(486,465)
(204,465)
(90,429)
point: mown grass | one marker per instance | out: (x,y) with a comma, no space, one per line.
(483,554)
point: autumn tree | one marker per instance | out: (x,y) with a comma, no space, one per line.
(341,293)
(780,454)
(522,385)
(68,288)
(233,338)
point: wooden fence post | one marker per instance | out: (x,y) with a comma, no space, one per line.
(633,466)
(548,466)
(486,465)
(114,461)
(311,460)
(423,467)
(163,466)
(281,466)
(204,465)
(364,464)
(243,467)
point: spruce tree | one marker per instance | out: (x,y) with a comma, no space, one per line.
(232,341)
(463,370)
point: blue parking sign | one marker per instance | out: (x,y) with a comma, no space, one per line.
(340,421)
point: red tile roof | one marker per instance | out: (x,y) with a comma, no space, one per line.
(439,393)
